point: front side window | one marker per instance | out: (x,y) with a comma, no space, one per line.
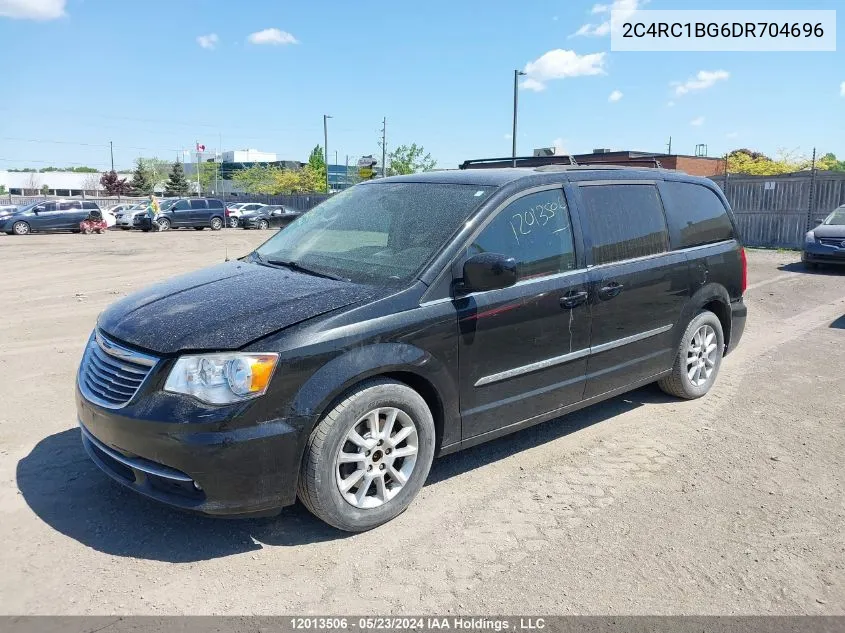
(375,232)
(535,230)
(624,221)
(179,205)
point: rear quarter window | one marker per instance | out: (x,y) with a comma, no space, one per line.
(215,204)
(696,215)
(624,221)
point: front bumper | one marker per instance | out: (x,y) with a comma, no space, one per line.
(739,314)
(817,253)
(215,468)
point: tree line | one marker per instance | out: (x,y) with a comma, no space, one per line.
(753,163)
(150,173)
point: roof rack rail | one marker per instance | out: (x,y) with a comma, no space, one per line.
(630,162)
(519,161)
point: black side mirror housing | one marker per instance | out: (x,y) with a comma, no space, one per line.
(488,271)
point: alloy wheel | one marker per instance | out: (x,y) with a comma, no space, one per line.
(377,457)
(702,355)
(20,228)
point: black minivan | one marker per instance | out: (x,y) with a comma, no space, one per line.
(406,318)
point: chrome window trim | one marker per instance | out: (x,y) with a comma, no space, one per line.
(565,358)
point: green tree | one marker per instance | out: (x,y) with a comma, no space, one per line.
(746,161)
(142,182)
(209,175)
(317,163)
(177,184)
(2,190)
(158,169)
(45,190)
(409,159)
(829,162)
(305,180)
(257,179)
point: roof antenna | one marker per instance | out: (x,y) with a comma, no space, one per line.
(227,254)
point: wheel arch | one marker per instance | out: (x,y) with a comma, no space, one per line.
(401,362)
(715,298)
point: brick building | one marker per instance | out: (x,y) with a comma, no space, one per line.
(693,165)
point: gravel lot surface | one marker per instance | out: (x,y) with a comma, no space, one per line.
(732,504)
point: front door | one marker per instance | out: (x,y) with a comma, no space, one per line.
(523,350)
(180,213)
(637,286)
(46,217)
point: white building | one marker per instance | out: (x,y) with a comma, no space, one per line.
(57,183)
(248,156)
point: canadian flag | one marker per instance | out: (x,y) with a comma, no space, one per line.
(200,148)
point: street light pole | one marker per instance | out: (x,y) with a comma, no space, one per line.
(516,76)
(326,117)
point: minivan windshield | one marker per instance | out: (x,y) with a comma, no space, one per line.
(836,218)
(374,233)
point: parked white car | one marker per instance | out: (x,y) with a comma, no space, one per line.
(235,211)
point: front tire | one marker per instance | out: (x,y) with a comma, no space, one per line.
(163,224)
(698,358)
(264,225)
(216,224)
(21,228)
(368,457)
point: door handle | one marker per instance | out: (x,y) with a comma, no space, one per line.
(573,299)
(610,290)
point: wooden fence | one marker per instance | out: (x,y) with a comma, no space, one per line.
(773,211)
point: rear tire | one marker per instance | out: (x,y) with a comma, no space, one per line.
(199,228)
(697,359)
(394,408)
(233,223)
(216,224)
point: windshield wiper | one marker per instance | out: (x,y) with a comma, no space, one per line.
(302,269)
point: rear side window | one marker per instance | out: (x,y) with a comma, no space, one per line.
(696,215)
(198,204)
(89,205)
(215,204)
(624,222)
(535,230)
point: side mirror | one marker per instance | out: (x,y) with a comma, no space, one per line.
(488,271)
(819,220)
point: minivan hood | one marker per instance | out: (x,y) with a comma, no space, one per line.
(224,307)
(830,230)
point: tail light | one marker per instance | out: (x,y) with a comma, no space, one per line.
(744,260)
(226,213)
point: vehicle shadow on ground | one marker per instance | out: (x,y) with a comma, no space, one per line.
(63,487)
(799,267)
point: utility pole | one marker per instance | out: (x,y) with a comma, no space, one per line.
(199,186)
(346,173)
(669,150)
(811,201)
(111,151)
(516,76)
(383,147)
(326,117)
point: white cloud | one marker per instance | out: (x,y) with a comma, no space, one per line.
(731,134)
(560,64)
(623,8)
(703,79)
(508,137)
(842,89)
(272,36)
(616,95)
(697,121)
(208,41)
(32,9)
(671,104)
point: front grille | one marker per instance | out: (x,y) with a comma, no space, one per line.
(832,241)
(110,374)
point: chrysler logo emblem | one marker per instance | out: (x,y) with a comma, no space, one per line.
(842,245)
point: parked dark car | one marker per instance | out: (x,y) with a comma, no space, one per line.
(405,318)
(825,244)
(271,216)
(196,213)
(48,215)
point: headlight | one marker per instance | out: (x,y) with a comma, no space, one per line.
(222,378)
(810,237)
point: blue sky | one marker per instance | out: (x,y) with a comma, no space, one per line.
(79,73)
